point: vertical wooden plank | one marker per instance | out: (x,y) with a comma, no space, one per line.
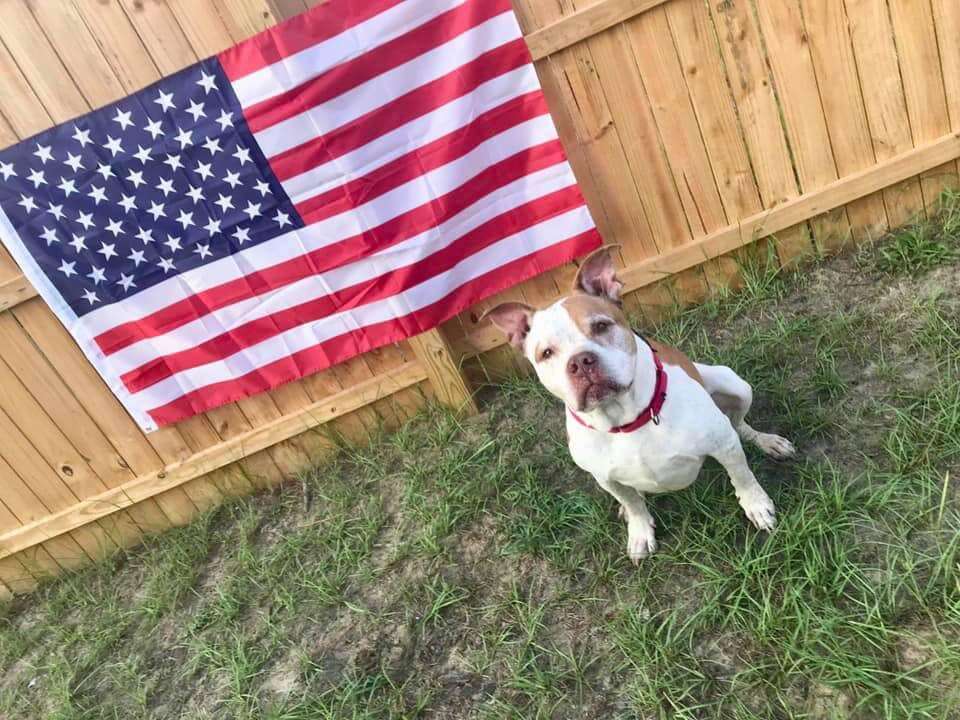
(877,66)
(781,28)
(443,370)
(923,87)
(825,24)
(946,15)
(745,65)
(678,129)
(712,103)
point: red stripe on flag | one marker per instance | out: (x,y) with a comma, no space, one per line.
(348,250)
(378,288)
(400,111)
(341,78)
(298,33)
(338,349)
(423,159)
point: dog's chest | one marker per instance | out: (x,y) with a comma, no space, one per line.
(651,460)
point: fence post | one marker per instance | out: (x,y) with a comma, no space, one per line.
(442,365)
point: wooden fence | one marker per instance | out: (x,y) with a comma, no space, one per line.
(694,127)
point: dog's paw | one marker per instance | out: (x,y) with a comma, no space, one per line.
(759,510)
(641,540)
(775,446)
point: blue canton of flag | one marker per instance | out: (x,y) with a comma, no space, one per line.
(161,182)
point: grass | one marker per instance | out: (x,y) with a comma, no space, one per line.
(466,569)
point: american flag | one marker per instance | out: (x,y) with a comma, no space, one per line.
(349,178)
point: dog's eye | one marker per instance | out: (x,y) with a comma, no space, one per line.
(600,326)
(546,353)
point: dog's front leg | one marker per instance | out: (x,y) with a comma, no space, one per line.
(753,499)
(641,538)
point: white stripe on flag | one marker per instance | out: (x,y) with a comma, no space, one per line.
(522,244)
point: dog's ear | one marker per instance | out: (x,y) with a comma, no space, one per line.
(513,318)
(597,275)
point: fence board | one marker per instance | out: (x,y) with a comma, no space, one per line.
(923,86)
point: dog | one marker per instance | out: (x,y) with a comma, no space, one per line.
(640,416)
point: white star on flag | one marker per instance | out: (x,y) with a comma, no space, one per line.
(207,82)
(107,250)
(126,282)
(85,219)
(196,110)
(127,202)
(225,202)
(78,242)
(202,249)
(172,242)
(252,210)
(225,120)
(136,177)
(56,211)
(27,203)
(242,234)
(123,118)
(106,171)
(50,235)
(67,268)
(97,275)
(43,152)
(68,186)
(6,169)
(90,296)
(142,154)
(154,128)
(281,218)
(165,101)
(166,264)
(195,194)
(115,227)
(156,209)
(98,194)
(185,219)
(113,145)
(73,161)
(81,136)
(36,177)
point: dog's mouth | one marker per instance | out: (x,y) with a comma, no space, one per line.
(590,395)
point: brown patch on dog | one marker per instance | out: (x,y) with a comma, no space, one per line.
(584,309)
(671,356)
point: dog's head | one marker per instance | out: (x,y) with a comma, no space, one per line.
(582,348)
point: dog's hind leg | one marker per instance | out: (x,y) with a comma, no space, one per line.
(733,395)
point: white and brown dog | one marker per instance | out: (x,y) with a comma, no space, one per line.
(641,417)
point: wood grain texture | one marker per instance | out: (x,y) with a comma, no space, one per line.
(208,459)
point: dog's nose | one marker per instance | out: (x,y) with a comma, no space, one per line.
(581,364)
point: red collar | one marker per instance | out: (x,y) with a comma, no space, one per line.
(652,411)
